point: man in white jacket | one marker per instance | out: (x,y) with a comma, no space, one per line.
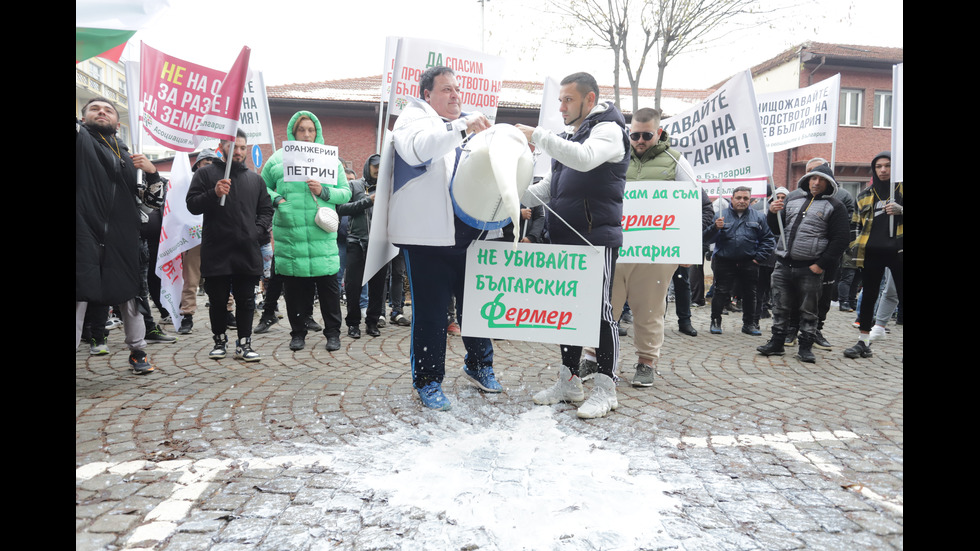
(427,141)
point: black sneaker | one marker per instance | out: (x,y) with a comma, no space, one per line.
(751,329)
(859,350)
(231,322)
(400,320)
(333,343)
(297,343)
(805,354)
(373,330)
(774,347)
(139,363)
(688,329)
(354,332)
(312,325)
(243,350)
(820,342)
(587,369)
(265,324)
(220,347)
(716,327)
(156,335)
(186,325)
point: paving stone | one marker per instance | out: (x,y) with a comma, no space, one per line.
(758,453)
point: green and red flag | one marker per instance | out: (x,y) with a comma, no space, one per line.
(102,27)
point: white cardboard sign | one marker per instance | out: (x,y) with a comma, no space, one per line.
(534,292)
(661,223)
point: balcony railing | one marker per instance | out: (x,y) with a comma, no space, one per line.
(84,79)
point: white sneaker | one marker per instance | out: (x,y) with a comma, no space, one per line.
(98,349)
(877,332)
(603,399)
(567,389)
(243,351)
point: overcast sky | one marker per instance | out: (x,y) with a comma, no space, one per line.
(316,40)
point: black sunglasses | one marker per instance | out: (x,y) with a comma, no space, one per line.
(635,136)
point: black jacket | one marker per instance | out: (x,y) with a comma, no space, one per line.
(591,202)
(107,220)
(232,234)
(360,206)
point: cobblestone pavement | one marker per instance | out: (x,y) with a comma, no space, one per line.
(317,450)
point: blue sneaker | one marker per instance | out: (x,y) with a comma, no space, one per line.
(483,378)
(433,398)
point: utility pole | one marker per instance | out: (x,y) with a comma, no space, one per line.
(483,27)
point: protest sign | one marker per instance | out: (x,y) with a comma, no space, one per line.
(255,119)
(898,139)
(661,223)
(177,96)
(799,117)
(722,138)
(549,117)
(479,75)
(302,161)
(180,231)
(535,292)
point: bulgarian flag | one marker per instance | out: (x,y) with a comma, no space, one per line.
(102,27)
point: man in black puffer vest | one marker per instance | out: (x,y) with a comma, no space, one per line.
(816,228)
(585,188)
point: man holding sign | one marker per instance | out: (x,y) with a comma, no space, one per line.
(815,234)
(233,232)
(742,242)
(645,286)
(878,244)
(584,193)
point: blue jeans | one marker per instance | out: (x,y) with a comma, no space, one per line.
(795,290)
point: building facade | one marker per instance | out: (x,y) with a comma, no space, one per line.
(864,121)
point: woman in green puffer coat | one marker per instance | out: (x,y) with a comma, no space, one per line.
(306,256)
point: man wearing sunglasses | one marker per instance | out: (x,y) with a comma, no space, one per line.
(645,285)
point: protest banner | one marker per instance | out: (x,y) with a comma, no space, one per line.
(302,161)
(722,139)
(799,117)
(549,117)
(255,118)
(479,75)
(898,140)
(535,292)
(180,231)
(177,96)
(661,223)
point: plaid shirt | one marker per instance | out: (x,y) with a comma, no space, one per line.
(864,215)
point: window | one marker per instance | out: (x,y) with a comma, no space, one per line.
(850,107)
(883,109)
(95,70)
